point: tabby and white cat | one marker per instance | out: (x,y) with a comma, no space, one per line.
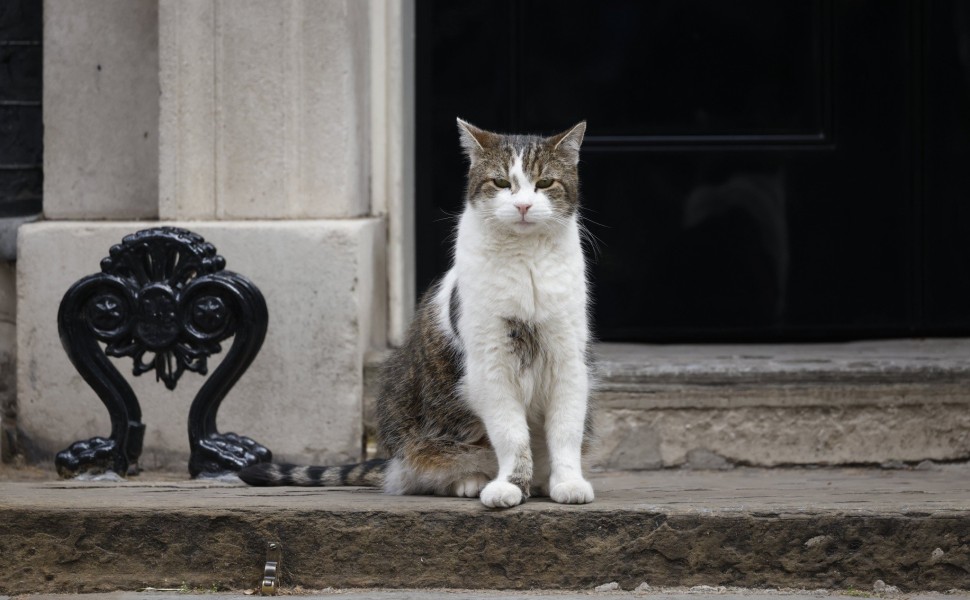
(488,395)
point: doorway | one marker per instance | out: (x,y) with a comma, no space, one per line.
(752,171)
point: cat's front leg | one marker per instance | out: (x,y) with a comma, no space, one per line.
(509,436)
(504,415)
(565,425)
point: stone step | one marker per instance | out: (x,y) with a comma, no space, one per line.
(676,593)
(716,406)
(762,528)
(886,402)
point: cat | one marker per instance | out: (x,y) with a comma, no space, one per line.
(488,394)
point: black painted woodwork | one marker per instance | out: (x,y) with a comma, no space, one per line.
(754,170)
(21,122)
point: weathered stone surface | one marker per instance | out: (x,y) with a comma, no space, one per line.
(632,365)
(790,528)
(717,406)
(254,123)
(324,287)
(667,593)
(829,404)
(392,155)
(100,109)
(771,436)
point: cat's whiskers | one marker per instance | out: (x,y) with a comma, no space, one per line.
(448,216)
(593,242)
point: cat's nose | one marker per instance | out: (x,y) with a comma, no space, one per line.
(523,207)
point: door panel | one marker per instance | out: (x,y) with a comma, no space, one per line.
(946,209)
(752,170)
(683,68)
(21,122)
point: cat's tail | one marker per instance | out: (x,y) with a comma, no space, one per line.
(369,474)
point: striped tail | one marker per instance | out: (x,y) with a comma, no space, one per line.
(369,474)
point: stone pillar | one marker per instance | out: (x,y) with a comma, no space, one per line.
(392,151)
(100,109)
(263,112)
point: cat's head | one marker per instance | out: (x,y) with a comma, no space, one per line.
(522,183)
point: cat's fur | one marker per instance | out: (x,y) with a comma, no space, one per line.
(495,363)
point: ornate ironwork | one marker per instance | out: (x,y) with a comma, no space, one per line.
(164,299)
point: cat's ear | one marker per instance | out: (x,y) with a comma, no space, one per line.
(473,139)
(569,141)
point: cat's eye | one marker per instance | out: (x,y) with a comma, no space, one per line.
(502,183)
(544,183)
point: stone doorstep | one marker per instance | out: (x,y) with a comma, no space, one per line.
(758,528)
(652,593)
(718,406)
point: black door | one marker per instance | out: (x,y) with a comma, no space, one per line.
(21,125)
(752,169)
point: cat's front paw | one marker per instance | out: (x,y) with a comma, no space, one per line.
(573,491)
(501,494)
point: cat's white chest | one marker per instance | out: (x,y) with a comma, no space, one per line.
(537,280)
(545,287)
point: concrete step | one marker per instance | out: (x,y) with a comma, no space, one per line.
(716,406)
(795,528)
